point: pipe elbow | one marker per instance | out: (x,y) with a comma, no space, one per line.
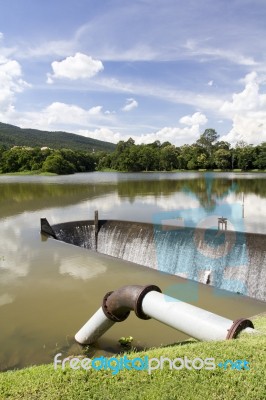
(118,304)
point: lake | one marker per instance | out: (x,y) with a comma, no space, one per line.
(49,289)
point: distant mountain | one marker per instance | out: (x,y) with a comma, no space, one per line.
(11,135)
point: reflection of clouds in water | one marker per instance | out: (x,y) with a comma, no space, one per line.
(83,210)
(178,201)
(16,248)
(254,211)
(253,221)
(117,206)
(15,258)
(81,271)
(6,299)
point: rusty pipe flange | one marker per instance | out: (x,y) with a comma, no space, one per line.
(237,327)
(138,303)
(109,314)
(118,304)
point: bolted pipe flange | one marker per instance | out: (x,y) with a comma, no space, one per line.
(237,327)
(149,302)
(138,303)
(111,315)
(117,304)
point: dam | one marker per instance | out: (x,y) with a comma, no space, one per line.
(224,259)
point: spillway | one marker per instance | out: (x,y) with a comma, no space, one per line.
(229,260)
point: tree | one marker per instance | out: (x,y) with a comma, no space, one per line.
(208,138)
(244,154)
(55,163)
(192,164)
(202,161)
(168,157)
(260,161)
(222,158)
(156,144)
(222,145)
(148,158)
(9,161)
(207,141)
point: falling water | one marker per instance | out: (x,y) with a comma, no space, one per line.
(80,234)
(228,260)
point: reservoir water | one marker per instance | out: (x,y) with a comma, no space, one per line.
(48,289)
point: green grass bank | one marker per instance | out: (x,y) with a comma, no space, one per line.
(44,382)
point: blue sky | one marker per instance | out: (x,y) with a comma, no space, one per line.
(149,69)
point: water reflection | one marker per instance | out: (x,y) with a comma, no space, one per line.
(80,270)
(6,298)
(207,189)
(49,289)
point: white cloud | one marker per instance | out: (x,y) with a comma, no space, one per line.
(163,92)
(79,66)
(130,105)
(103,133)
(195,48)
(247,100)
(59,116)
(59,48)
(11,82)
(176,135)
(196,119)
(68,113)
(247,110)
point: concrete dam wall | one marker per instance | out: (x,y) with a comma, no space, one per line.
(229,260)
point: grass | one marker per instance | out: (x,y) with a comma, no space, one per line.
(108,170)
(35,172)
(43,382)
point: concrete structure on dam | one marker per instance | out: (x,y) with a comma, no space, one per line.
(234,261)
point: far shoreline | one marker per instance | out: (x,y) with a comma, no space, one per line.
(109,170)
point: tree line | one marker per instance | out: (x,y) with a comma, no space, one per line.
(64,161)
(206,153)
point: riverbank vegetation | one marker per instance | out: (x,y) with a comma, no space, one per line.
(43,382)
(207,153)
(44,160)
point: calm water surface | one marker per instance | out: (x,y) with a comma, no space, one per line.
(49,289)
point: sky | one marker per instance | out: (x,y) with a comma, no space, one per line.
(147,69)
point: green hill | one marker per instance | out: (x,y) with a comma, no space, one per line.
(11,135)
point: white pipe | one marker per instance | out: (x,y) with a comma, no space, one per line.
(193,321)
(147,302)
(94,328)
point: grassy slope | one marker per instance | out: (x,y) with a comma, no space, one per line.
(43,382)
(11,135)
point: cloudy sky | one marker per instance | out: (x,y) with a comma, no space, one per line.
(149,69)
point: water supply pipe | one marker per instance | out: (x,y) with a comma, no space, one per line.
(148,302)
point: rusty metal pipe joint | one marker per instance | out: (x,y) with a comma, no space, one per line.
(118,304)
(149,302)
